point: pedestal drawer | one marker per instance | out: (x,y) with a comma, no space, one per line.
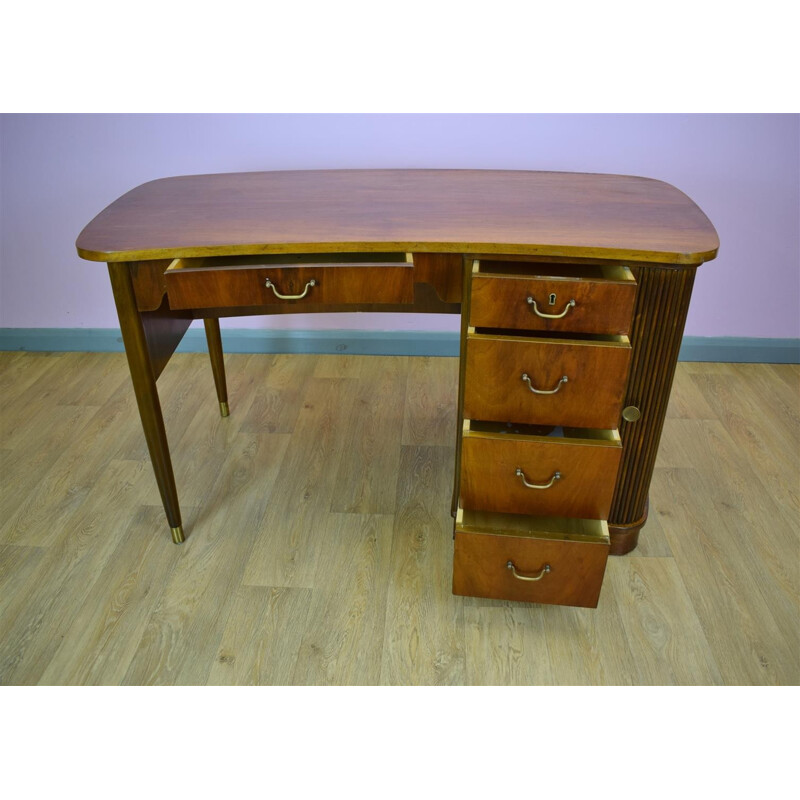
(579,383)
(570,476)
(529,559)
(598,299)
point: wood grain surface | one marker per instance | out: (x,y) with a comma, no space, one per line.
(591,397)
(601,306)
(575,574)
(588,474)
(92,592)
(473,211)
(217,287)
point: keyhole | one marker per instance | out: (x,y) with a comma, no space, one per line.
(553,299)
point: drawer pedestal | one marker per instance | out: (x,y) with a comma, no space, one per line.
(545,345)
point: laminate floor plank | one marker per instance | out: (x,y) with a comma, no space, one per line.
(720,582)
(686,400)
(366,471)
(38,617)
(31,462)
(505,644)
(287,552)
(262,637)
(276,585)
(784,377)
(181,638)
(25,377)
(777,400)
(756,523)
(101,638)
(58,462)
(91,379)
(771,443)
(588,647)
(424,636)
(17,566)
(659,620)
(276,401)
(343,641)
(197,456)
(430,412)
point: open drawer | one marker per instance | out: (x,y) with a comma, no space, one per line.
(511,468)
(579,382)
(530,559)
(572,298)
(331,279)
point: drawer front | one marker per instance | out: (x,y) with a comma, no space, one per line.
(552,304)
(542,476)
(231,286)
(590,397)
(569,572)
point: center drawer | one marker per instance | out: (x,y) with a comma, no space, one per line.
(271,280)
(575,382)
(504,469)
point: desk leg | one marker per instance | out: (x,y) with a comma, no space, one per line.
(214,340)
(466,293)
(144,386)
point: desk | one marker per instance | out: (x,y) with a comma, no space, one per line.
(573,291)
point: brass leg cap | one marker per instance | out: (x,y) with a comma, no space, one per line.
(177,534)
(223,409)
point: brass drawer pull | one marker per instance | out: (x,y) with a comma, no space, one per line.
(527,380)
(556,477)
(532,302)
(545,570)
(270,285)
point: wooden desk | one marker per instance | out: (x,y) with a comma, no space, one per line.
(581,274)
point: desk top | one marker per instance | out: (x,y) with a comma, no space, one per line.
(575,215)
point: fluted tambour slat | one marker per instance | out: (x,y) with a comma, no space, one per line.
(662,304)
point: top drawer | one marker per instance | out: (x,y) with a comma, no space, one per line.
(577,299)
(273,280)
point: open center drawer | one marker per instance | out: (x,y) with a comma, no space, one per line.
(302,279)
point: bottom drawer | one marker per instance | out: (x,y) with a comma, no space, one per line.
(530,559)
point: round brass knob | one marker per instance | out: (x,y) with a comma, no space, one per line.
(631,413)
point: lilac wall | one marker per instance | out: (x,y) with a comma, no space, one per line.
(58,171)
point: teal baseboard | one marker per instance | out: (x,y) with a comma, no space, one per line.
(244,340)
(740,350)
(374,343)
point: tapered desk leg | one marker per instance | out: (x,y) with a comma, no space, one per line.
(144,386)
(214,340)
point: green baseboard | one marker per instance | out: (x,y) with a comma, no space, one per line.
(730,349)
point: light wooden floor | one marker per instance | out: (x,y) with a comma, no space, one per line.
(319,534)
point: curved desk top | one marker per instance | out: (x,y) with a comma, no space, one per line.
(576,215)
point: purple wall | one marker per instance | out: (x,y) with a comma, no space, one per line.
(58,171)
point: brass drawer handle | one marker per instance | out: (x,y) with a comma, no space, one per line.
(532,302)
(545,570)
(556,477)
(270,285)
(527,380)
